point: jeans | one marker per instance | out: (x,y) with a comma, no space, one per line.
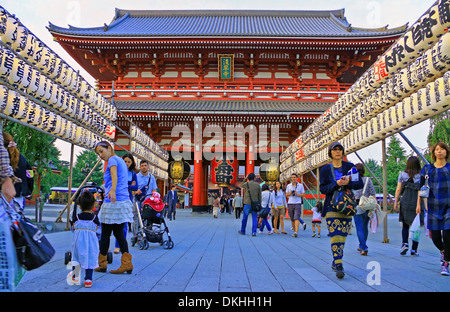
(247,211)
(264,222)
(362,229)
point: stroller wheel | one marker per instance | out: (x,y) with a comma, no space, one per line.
(109,257)
(67,257)
(168,244)
(143,245)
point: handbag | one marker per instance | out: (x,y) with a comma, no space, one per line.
(144,191)
(255,205)
(425,190)
(343,200)
(32,247)
(264,213)
(367,203)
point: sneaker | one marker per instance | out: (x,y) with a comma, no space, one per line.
(404,249)
(414,253)
(314,235)
(87,283)
(260,232)
(304,226)
(116,250)
(241,233)
(318,236)
(295,234)
(253,234)
(444,269)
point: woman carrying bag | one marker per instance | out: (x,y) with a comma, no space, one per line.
(438,201)
(406,194)
(338,174)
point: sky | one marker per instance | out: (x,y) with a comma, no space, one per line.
(36,15)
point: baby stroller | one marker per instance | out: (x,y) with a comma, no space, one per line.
(152,224)
(99,195)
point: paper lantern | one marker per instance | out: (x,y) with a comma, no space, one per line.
(34,84)
(8,28)
(4,92)
(45,59)
(6,63)
(34,116)
(224,172)
(30,47)
(16,106)
(44,84)
(59,65)
(179,171)
(21,36)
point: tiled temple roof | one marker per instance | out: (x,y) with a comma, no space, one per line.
(228,23)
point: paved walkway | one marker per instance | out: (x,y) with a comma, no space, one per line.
(210,256)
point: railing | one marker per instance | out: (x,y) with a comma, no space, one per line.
(288,91)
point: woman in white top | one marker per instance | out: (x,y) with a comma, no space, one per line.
(266,204)
(279,207)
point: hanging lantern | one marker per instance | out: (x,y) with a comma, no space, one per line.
(269,172)
(179,171)
(224,173)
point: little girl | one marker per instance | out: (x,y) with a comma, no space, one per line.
(85,247)
(317,218)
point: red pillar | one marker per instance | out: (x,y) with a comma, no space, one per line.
(198,198)
(250,156)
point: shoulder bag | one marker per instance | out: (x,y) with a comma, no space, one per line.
(343,200)
(144,190)
(32,247)
(367,203)
(256,205)
(425,190)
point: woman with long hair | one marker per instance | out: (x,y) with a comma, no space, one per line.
(279,208)
(406,194)
(22,170)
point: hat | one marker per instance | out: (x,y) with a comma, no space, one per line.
(155,202)
(333,145)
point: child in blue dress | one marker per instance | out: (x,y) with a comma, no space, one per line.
(85,246)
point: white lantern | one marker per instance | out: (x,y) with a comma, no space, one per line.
(45,60)
(30,47)
(34,113)
(59,65)
(8,28)
(4,92)
(6,63)
(43,85)
(20,41)
(16,106)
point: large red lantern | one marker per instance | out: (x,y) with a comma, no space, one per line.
(224,173)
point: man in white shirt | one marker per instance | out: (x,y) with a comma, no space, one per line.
(296,192)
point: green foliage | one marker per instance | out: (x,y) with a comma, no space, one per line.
(86,160)
(395,162)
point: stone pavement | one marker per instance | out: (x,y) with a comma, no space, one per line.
(210,256)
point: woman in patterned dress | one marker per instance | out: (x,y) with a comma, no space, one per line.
(439,202)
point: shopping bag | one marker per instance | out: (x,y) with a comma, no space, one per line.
(415,230)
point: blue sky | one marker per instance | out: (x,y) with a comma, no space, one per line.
(35,15)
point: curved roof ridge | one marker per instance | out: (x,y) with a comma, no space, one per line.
(298,13)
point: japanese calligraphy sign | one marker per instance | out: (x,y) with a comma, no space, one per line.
(226,67)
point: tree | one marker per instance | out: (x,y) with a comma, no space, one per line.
(395,162)
(376,169)
(439,129)
(86,160)
(37,147)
